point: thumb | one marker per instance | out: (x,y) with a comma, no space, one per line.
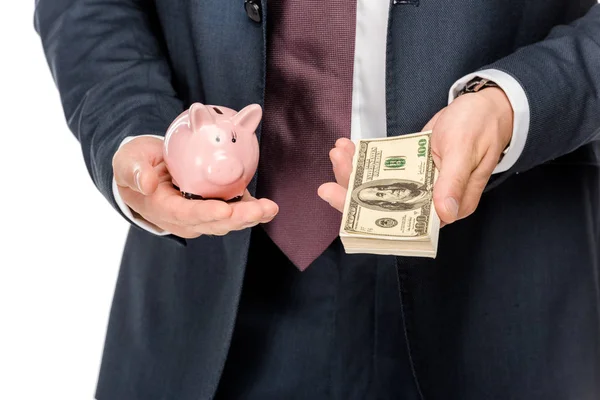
(133,164)
(451,185)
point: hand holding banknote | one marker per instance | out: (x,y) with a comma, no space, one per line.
(467,140)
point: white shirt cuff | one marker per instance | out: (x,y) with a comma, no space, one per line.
(520,105)
(142,223)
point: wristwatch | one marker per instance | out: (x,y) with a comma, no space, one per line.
(476,84)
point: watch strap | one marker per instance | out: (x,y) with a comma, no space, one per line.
(476,84)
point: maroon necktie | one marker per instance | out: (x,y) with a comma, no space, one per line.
(308,106)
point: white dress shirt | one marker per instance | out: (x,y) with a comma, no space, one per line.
(368,92)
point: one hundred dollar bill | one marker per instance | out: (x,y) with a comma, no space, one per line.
(389,205)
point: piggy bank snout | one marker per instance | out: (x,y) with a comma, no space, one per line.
(224,171)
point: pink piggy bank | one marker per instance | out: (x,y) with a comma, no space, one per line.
(212,152)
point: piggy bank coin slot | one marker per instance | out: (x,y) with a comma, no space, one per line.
(218,110)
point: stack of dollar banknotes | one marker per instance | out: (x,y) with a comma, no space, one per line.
(389,205)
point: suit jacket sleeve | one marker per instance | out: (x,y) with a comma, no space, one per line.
(114,81)
(561,78)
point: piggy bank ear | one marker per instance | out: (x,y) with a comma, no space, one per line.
(200,115)
(248,118)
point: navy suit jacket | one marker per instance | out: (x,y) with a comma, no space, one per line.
(518,277)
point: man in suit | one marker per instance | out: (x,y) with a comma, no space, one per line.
(257,299)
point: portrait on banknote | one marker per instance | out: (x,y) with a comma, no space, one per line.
(392,195)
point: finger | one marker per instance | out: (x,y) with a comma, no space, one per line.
(347,145)
(138,175)
(451,184)
(215,229)
(472,195)
(178,230)
(429,126)
(475,187)
(195,212)
(245,214)
(133,165)
(132,198)
(176,209)
(163,173)
(342,165)
(270,209)
(266,220)
(334,194)
(137,202)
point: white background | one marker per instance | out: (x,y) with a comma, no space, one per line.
(60,240)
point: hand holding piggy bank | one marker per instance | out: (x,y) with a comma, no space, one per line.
(198,145)
(212,152)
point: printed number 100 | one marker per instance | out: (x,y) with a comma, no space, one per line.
(422,152)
